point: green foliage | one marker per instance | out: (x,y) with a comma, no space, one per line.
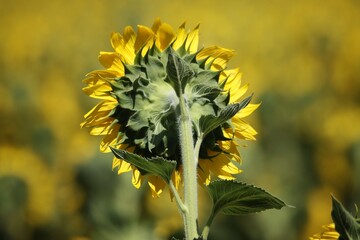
(210,122)
(236,198)
(178,71)
(345,224)
(157,166)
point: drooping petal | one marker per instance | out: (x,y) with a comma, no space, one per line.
(104,106)
(231,148)
(122,165)
(100,91)
(137,178)
(204,171)
(110,139)
(100,76)
(177,177)
(328,233)
(243,130)
(224,168)
(156,185)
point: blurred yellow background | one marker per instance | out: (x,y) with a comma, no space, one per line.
(301,58)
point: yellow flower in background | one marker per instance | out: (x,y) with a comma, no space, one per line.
(329,233)
(39,182)
(138,101)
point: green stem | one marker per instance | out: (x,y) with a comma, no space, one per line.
(179,203)
(189,161)
(206,229)
(197,148)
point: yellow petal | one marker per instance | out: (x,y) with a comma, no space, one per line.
(128,51)
(115,163)
(329,233)
(112,61)
(110,139)
(232,77)
(236,93)
(218,56)
(223,168)
(100,91)
(124,45)
(165,36)
(230,146)
(233,84)
(156,185)
(192,40)
(177,177)
(180,37)
(102,108)
(102,129)
(144,36)
(123,166)
(137,178)
(107,58)
(249,109)
(117,41)
(99,76)
(243,130)
(129,37)
(157,23)
(203,171)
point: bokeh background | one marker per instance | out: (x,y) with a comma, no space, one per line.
(301,58)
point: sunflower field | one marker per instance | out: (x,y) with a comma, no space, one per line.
(298,138)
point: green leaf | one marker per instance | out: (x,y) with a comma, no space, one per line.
(210,122)
(178,71)
(236,198)
(157,166)
(345,224)
(155,69)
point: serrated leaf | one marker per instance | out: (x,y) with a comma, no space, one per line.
(210,122)
(345,224)
(236,198)
(157,166)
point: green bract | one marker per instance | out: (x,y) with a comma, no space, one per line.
(148,100)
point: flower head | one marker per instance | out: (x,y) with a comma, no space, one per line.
(328,233)
(139,101)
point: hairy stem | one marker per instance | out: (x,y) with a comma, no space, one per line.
(179,203)
(189,161)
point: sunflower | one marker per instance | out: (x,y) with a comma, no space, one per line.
(138,101)
(329,233)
